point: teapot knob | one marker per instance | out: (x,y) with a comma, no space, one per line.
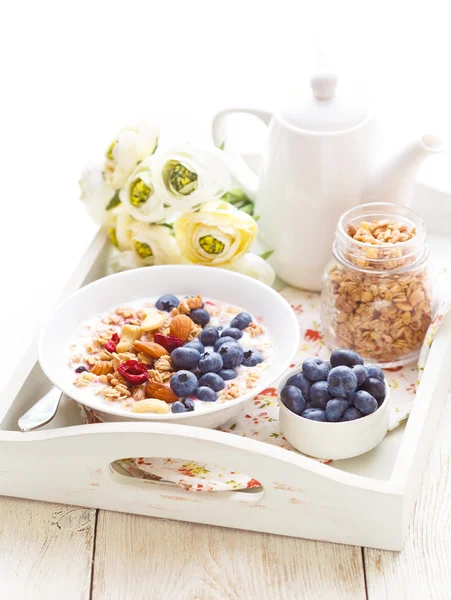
(324,85)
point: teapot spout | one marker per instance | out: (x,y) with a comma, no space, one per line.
(394,182)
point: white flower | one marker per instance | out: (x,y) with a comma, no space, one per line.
(95,194)
(173,182)
(122,261)
(124,223)
(138,196)
(254,266)
(185,178)
(129,147)
(154,244)
(118,223)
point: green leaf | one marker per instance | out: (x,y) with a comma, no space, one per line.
(156,146)
(166,205)
(256,217)
(114,201)
(235,195)
(267,254)
(221,146)
(248,208)
(232,427)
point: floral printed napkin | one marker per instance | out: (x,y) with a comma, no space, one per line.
(259,419)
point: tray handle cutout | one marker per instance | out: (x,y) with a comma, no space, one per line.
(243,488)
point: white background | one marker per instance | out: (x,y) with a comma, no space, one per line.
(73,72)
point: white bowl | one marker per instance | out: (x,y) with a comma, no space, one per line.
(334,440)
(115,290)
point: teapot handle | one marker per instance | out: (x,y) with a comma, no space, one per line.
(242,173)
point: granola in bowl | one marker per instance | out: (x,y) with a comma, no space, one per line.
(169,355)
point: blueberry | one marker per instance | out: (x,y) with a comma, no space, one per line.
(375,372)
(351,414)
(361,373)
(345,357)
(376,388)
(315,369)
(197,345)
(81,369)
(365,402)
(342,381)
(293,399)
(232,332)
(210,362)
(335,409)
(227,374)
(314,414)
(241,321)
(189,404)
(251,358)
(300,381)
(232,355)
(200,316)
(178,407)
(167,302)
(213,381)
(319,395)
(209,335)
(223,340)
(206,394)
(183,383)
(185,358)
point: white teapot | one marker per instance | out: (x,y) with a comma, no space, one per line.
(320,161)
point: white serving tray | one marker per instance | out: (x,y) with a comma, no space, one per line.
(365,501)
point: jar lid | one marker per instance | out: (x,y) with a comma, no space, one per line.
(324,110)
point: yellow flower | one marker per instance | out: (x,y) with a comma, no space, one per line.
(216,235)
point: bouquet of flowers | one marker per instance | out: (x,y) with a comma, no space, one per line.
(171,206)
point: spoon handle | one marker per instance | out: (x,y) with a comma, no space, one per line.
(42,412)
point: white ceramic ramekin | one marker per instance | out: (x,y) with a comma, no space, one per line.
(334,440)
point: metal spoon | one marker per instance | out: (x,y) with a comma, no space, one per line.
(42,412)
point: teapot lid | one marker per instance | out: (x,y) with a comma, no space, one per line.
(324,111)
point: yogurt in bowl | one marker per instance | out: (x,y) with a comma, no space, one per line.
(117,321)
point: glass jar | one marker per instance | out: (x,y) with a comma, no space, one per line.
(376,296)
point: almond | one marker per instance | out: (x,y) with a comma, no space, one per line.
(181,327)
(150,349)
(160,391)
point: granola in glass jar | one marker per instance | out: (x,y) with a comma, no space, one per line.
(376,297)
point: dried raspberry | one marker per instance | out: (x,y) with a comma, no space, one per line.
(134,372)
(170,342)
(80,369)
(111,345)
